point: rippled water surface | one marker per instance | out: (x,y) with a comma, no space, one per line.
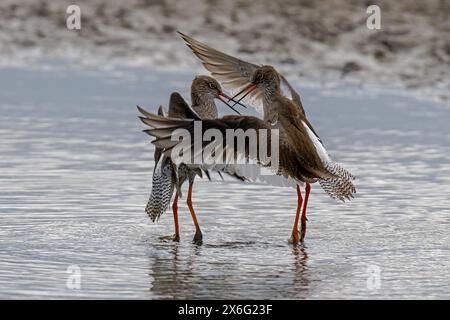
(75,174)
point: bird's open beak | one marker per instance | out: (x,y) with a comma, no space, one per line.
(226,99)
(231,99)
(248,89)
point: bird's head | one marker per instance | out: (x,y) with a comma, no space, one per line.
(205,89)
(266,78)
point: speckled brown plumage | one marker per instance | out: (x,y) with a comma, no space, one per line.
(167,177)
(302,154)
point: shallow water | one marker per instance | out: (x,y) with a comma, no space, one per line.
(75,174)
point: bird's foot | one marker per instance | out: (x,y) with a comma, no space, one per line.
(303,234)
(174,237)
(295,238)
(198,238)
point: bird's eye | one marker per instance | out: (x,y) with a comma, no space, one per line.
(212,85)
(259,77)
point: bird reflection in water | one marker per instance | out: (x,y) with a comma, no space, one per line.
(180,272)
(173,275)
(300,269)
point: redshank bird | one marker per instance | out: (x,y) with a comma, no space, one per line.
(269,91)
(167,177)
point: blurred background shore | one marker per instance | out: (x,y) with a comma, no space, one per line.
(324,41)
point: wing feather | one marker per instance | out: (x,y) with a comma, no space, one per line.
(178,108)
(235,74)
(251,171)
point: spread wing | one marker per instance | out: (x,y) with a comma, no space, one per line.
(255,170)
(334,179)
(158,151)
(235,74)
(178,108)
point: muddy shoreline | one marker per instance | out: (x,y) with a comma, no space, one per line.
(326,40)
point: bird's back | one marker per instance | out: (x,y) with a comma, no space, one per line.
(298,155)
(313,161)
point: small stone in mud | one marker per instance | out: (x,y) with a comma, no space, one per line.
(168,28)
(379,54)
(350,66)
(246,50)
(288,61)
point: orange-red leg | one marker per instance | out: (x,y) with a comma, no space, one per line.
(175,218)
(295,234)
(304,219)
(198,233)
(176,236)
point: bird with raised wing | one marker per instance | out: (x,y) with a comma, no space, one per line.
(167,177)
(271,94)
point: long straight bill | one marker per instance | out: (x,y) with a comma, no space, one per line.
(223,97)
(250,88)
(231,99)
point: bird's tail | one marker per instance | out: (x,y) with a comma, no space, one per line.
(341,185)
(162,188)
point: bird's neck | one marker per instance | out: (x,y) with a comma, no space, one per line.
(204,106)
(269,107)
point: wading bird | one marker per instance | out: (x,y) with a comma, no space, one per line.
(270,93)
(167,177)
